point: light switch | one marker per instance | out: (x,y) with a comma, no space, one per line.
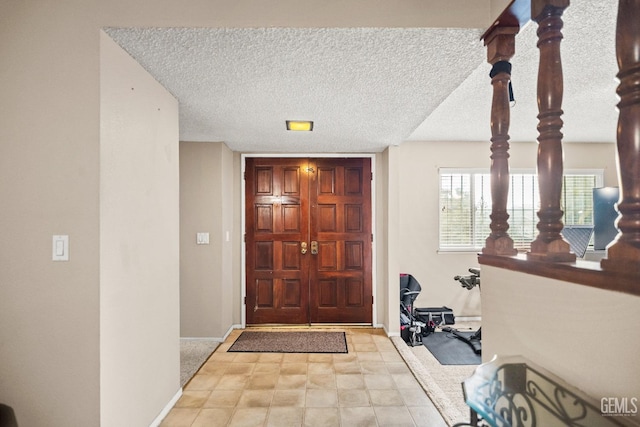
(202,238)
(60,249)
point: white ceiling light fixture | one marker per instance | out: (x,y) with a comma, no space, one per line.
(300,125)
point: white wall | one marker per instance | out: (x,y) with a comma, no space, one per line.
(206,271)
(387,240)
(49,184)
(139,242)
(498,6)
(587,336)
(418,189)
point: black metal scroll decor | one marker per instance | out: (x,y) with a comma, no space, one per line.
(516,410)
(518,395)
(563,404)
(507,407)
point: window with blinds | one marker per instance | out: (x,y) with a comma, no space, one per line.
(465,206)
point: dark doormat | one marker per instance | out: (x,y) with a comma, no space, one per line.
(450,350)
(290,342)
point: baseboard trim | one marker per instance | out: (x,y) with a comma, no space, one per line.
(468,318)
(386,331)
(167,408)
(231,328)
(214,339)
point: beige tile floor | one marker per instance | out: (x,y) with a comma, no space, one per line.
(369,386)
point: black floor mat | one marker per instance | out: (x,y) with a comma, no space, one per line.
(450,350)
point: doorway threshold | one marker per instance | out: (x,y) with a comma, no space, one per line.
(311,326)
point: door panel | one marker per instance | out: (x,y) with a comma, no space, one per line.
(294,201)
(277,212)
(340,274)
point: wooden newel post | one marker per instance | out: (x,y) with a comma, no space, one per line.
(549,245)
(624,253)
(500,44)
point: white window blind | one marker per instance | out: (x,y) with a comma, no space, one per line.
(465,206)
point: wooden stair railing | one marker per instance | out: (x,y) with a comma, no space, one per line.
(624,253)
(550,254)
(500,42)
(549,245)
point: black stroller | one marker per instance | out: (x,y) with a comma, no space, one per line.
(416,323)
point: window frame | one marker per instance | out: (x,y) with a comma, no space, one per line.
(598,173)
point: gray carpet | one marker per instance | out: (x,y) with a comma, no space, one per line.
(290,342)
(193,354)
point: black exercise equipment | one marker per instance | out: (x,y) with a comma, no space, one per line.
(469,282)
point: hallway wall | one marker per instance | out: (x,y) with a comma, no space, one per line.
(387,226)
(206,271)
(139,275)
(49,185)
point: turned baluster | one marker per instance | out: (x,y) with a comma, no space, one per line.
(500,44)
(549,245)
(624,253)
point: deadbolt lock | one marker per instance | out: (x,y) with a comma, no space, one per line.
(303,248)
(314,248)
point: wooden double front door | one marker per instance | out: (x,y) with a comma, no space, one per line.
(308,240)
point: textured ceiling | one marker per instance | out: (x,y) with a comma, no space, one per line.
(364,88)
(589,70)
(368,88)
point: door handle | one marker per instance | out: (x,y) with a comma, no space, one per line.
(314,247)
(303,248)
